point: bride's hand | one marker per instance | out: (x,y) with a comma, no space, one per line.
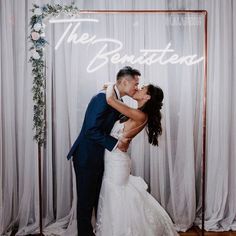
(105,86)
(110,94)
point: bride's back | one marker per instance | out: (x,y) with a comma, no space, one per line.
(133,127)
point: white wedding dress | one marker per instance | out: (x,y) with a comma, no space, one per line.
(125,207)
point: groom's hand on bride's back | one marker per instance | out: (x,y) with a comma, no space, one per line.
(123,144)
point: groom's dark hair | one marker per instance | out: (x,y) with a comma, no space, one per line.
(127,70)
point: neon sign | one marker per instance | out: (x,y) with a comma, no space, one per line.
(163,56)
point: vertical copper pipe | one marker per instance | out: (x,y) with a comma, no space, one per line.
(40,191)
(204,122)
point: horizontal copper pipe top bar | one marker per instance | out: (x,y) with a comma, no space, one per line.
(143,11)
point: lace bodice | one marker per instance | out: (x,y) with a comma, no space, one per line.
(117,130)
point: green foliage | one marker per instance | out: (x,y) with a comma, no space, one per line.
(37,38)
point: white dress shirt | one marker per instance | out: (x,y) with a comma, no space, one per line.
(117,92)
(119,98)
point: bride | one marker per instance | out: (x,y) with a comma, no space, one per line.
(125,207)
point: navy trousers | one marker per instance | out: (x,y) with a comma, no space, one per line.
(88,183)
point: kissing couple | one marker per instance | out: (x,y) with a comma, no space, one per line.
(122,205)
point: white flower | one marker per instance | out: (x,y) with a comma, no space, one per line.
(38,11)
(35,36)
(37,27)
(35,54)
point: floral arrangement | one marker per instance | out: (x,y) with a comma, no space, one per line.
(38,41)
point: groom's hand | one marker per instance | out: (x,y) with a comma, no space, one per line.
(123,144)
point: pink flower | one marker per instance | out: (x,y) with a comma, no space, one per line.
(35,36)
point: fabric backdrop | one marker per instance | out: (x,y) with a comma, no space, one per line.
(173,170)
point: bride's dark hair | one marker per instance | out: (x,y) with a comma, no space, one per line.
(152,108)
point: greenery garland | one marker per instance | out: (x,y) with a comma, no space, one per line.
(37,38)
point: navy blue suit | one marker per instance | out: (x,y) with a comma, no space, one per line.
(88,157)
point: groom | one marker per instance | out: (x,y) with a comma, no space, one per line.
(88,149)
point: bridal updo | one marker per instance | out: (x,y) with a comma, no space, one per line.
(153,109)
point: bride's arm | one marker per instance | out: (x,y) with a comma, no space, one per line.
(132,113)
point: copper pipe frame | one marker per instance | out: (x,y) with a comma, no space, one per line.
(40,191)
(205,52)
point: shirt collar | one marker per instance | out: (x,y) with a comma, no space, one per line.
(117,92)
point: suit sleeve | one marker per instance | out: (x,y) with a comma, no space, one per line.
(96,116)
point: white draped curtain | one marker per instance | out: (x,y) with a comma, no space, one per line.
(173,170)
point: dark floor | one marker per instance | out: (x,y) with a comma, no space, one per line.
(194,231)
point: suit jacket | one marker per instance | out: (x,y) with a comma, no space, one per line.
(95,136)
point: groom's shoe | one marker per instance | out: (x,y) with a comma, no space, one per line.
(86,234)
